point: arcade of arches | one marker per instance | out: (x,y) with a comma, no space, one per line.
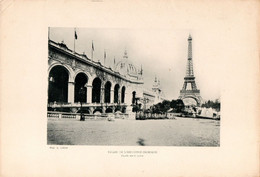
(58,88)
(98,92)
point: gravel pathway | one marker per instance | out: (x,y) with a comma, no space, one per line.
(174,132)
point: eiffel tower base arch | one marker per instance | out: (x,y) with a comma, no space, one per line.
(194,96)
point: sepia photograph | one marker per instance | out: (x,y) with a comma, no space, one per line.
(128,87)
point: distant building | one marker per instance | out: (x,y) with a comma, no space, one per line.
(154,95)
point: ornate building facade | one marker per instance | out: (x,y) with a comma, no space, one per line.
(105,90)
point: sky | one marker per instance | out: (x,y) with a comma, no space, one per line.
(162,53)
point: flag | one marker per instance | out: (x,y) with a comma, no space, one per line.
(76,36)
(92,50)
(92,46)
(105,56)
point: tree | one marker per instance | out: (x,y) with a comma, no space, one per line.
(165,106)
(179,106)
(156,108)
(212,104)
(173,104)
(162,107)
(136,108)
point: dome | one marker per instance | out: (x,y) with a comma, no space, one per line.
(126,67)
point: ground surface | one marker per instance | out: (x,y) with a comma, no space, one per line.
(178,132)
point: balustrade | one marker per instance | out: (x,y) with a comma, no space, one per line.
(66,115)
(59,105)
(190,91)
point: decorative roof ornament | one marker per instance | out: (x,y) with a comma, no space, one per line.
(83,54)
(190,38)
(62,44)
(125,54)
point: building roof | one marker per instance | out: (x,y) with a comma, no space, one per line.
(62,47)
(127,68)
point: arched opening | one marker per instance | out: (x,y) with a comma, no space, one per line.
(107,92)
(62,110)
(97,111)
(118,109)
(116,91)
(85,111)
(80,81)
(58,84)
(123,94)
(96,90)
(109,110)
(133,97)
(190,101)
(123,109)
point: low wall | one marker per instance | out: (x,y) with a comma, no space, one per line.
(66,115)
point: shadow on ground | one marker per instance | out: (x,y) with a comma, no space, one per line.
(140,142)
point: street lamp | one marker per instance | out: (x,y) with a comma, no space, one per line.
(144,109)
(136,106)
(81,94)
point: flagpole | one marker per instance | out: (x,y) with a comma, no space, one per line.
(114,62)
(48,33)
(74,38)
(92,51)
(105,57)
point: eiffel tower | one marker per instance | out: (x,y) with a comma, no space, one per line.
(189,89)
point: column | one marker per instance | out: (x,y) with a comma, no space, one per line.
(89,93)
(119,96)
(126,98)
(111,96)
(128,102)
(102,91)
(71,86)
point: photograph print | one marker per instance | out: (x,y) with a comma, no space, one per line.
(132,87)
